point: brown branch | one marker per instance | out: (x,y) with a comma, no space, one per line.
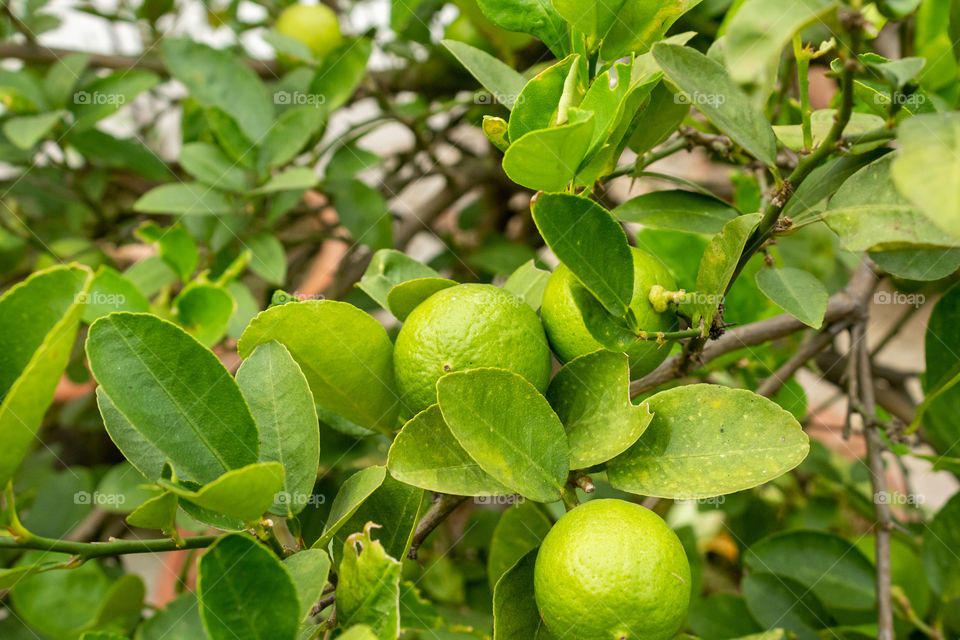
(442,507)
(842,306)
(808,350)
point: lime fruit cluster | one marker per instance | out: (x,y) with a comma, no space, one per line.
(612,570)
(570,337)
(468,326)
(314,25)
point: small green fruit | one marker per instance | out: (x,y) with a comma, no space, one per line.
(314,25)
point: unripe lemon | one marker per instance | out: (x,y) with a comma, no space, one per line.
(314,25)
(468,326)
(570,337)
(612,570)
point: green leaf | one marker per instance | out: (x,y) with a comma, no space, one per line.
(721,615)
(130,356)
(282,406)
(368,589)
(587,239)
(180,620)
(547,160)
(810,198)
(218,78)
(930,155)
(925,265)
(515,613)
(39,318)
(244,493)
(120,607)
(246,593)
(296,178)
(940,542)
(528,282)
(942,344)
(717,265)
(175,245)
(104,150)
(591,396)
(406,296)
(186,198)
(677,211)
(363,211)
(639,24)
(290,134)
(107,95)
(345,354)
(705,441)
(520,530)
(204,311)
(142,454)
(547,96)
(662,115)
(388,268)
(288,46)
(267,258)
(211,166)
(26,131)
(426,454)
(709,88)
(821,121)
(759,31)
(342,72)
(777,601)
(352,494)
(111,292)
(309,569)
(869,213)
(797,292)
(156,513)
(508,428)
(230,137)
(536,17)
(896,73)
(496,131)
(63,76)
(501,81)
(832,568)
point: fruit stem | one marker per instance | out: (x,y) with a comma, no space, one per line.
(569,496)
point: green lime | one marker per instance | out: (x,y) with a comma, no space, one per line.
(314,25)
(466,327)
(612,570)
(568,334)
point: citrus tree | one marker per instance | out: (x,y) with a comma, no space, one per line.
(357,326)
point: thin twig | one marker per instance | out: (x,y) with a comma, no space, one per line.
(442,507)
(807,350)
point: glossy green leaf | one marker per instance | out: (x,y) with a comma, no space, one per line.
(521,529)
(708,87)
(121,605)
(179,620)
(156,513)
(219,78)
(797,292)
(345,354)
(26,131)
(515,613)
(110,292)
(296,178)
(528,282)
(495,129)
(39,318)
(406,296)
(662,116)
(185,198)
(368,588)
(707,440)
(508,428)
(810,198)
(547,160)
(501,81)
(922,264)
(591,395)
(677,211)
(867,212)
(282,406)
(141,453)
(536,17)
(245,592)
(547,96)
(759,31)
(244,493)
(587,239)
(717,265)
(351,495)
(426,454)
(211,166)
(204,311)
(388,268)
(930,155)
(308,568)
(639,24)
(130,354)
(832,568)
